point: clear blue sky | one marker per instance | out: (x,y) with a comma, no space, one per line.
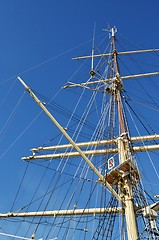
(36,42)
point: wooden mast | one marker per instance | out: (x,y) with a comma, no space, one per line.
(124,152)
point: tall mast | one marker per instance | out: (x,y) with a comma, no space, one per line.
(124,151)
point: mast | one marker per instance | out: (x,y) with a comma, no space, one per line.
(124,151)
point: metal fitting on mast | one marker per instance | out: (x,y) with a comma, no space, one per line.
(113,31)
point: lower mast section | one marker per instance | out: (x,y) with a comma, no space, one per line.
(129,178)
(126,177)
(130,175)
(129,213)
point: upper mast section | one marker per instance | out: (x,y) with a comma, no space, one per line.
(113,31)
(113,80)
(118,86)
